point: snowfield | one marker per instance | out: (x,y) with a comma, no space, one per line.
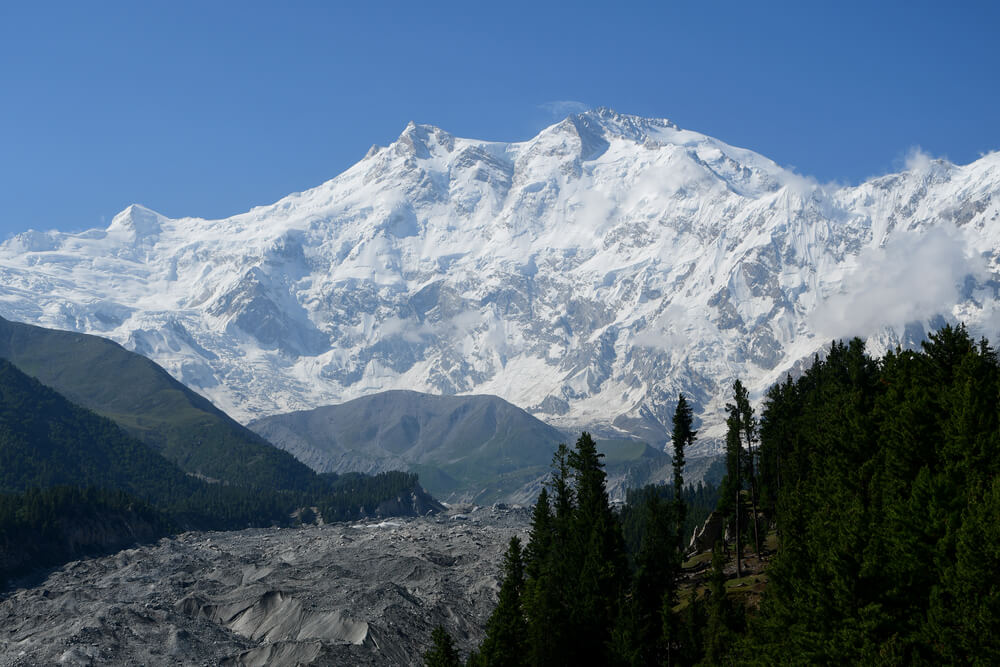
(588,275)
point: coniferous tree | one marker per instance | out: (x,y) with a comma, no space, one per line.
(540,598)
(539,545)
(733,483)
(550,567)
(682,437)
(506,630)
(442,652)
(654,583)
(748,434)
(598,550)
(684,632)
(722,620)
(776,446)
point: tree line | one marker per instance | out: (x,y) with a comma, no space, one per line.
(61,463)
(878,480)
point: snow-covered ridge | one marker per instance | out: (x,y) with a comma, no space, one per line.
(588,274)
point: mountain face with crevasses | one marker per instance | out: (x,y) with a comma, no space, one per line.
(588,275)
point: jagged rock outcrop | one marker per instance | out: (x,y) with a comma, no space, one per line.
(588,274)
(705,537)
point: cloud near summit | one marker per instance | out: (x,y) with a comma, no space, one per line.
(915,276)
(559,109)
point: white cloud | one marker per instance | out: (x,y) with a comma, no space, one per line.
(802,185)
(411,331)
(592,212)
(665,332)
(559,109)
(912,278)
(465,323)
(917,160)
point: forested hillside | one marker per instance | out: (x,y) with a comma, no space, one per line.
(73,482)
(886,494)
(143,399)
(877,480)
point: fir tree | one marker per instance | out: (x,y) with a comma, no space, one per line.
(506,630)
(654,584)
(682,437)
(721,619)
(733,483)
(598,549)
(748,434)
(442,652)
(539,548)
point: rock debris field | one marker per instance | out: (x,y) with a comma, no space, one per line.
(358,594)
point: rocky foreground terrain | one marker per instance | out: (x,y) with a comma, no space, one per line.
(360,594)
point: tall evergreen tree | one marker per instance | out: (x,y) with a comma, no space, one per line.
(506,630)
(540,537)
(598,549)
(682,437)
(442,652)
(654,584)
(733,484)
(722,619)
(748,433)
(540,598)
(684,632)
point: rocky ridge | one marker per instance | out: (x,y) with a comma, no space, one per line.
(588,274)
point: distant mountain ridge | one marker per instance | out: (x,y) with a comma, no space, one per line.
(478,448)
(588,274)
(473,446)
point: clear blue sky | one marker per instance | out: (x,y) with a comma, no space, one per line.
(209,108)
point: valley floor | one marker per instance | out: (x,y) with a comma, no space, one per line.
(363,594)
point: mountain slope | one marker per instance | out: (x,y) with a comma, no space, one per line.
(47,441)
(475,446)
(141,397)
(71,483)
(478,448)
(588,274)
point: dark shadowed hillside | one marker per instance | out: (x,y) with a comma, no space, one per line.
(150,405)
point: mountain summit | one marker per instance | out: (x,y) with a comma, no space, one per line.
(588,274)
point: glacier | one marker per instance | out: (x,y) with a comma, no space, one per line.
(588,275)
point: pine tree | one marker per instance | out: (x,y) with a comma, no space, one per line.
(551,567)
(506,630)
(682,437)
(719,632)
(733,484)
(597,547)
(539,548)
(684,632)
(657,567)
(442,652)
(748,432)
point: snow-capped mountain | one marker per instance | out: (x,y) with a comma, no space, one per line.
(588,274)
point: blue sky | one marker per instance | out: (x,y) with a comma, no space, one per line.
(210,108)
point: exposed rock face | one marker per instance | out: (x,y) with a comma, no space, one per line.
(362,594)
(588,275)
(708,534)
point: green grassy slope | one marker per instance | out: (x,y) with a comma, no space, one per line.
(475,446)
(146,401)
(47,441)
(479,447)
